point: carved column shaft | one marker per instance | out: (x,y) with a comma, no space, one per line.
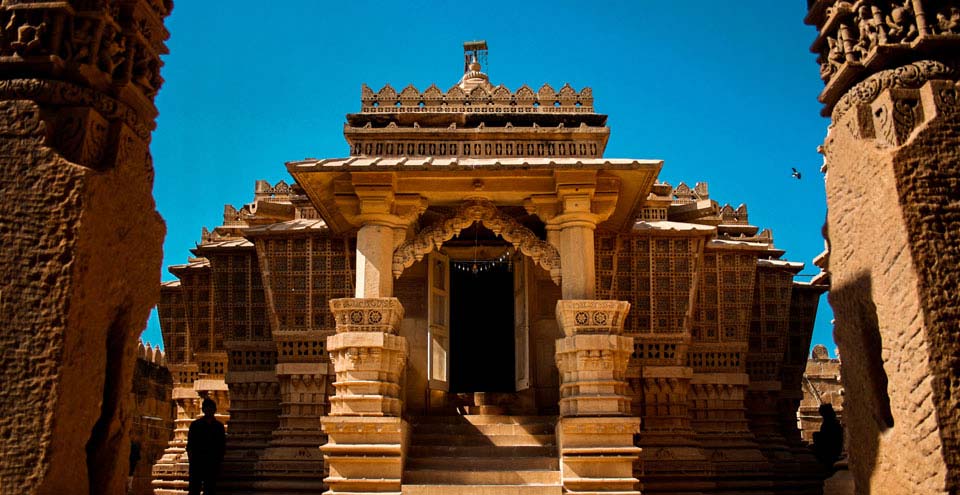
(577,260)
(291,461)
(375,261)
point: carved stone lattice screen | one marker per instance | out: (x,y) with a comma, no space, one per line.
(305,273)
(241,307)
(723,311)
(655,275)
(770,324)
(173,317)
(198,300)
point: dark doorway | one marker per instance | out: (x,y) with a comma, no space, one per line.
(481,330)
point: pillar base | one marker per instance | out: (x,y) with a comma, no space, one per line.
(597,455)
(364,454)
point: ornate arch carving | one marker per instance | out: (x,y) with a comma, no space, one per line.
(483,211)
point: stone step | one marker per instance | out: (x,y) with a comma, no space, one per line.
(481,451)
(482,419)
(467,477)
(548,489)
(499,463)
(498,440)
(485,428)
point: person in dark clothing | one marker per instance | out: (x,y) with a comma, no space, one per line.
(828,442)
(205,446)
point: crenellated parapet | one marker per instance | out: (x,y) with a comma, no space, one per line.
(857,39)
(498,99)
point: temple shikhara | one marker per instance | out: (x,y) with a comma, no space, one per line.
(476,300)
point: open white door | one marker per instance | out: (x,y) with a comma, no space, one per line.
(438,328)
(521,327)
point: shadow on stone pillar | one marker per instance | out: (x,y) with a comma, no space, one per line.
(80,238)
(595,431)
(367,439)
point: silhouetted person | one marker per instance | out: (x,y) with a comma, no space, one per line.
(828,442)
(205,446)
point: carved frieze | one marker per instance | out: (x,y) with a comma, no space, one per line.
(865,36)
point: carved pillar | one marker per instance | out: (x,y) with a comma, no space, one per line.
(80,247)
(367,438)
(595,431)
(807,471)
(891,158)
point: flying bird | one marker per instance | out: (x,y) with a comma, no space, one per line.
(795,174)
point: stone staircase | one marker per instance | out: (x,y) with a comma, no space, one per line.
(482,455)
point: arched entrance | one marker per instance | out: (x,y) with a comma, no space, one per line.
(478,328)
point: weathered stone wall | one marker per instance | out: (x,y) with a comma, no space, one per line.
(80,240)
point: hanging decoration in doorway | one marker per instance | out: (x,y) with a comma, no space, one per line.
(477,265)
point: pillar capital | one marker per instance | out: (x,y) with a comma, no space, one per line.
(593,357)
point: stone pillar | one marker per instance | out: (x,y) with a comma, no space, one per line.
(892,158)
(254,414)
(375,260)
(595,431)
(80,243)
(577,256)
(367,438)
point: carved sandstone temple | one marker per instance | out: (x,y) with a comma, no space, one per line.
(476,300)
(892,162)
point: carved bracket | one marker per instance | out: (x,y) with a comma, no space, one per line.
(485,212)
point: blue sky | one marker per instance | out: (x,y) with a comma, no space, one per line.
(723,92)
